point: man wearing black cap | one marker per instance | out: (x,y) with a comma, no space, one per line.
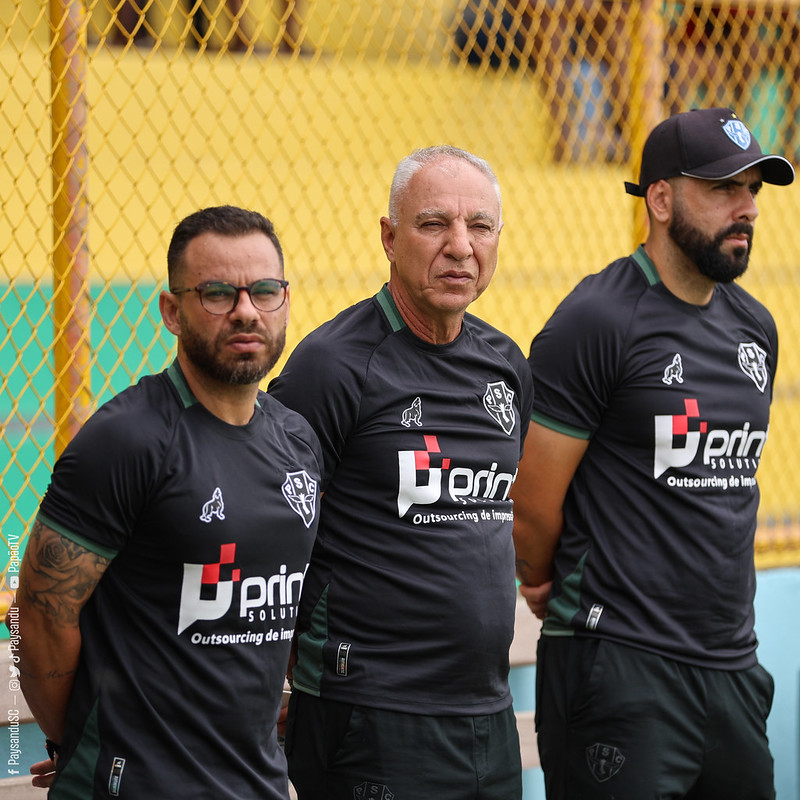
(635,504)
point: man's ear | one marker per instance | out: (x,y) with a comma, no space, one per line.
(660,198)
(387,238)
(168,306)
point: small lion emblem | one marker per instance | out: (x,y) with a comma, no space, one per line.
(413,414)
(674,372)
(215,507)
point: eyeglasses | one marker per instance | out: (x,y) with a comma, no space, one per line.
(219,297)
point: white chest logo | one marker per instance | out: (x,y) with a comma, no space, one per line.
(674,372)
(413,414)
(753,362)
(215,507)
(300,491)
(498,400)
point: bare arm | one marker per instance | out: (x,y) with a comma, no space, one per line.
(57,577)
(547,467)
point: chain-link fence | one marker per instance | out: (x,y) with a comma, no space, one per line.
(119,117)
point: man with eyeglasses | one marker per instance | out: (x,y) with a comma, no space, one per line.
(401,679)
(159,588)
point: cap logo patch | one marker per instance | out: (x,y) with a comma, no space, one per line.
(737,133)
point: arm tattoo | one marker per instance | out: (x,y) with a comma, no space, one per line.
(523,569)
(59,575)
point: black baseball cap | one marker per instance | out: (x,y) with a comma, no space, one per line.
(709,143)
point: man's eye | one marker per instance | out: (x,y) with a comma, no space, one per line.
(265,291)
(217,292)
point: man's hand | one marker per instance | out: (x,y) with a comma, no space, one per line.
(44,772)
(536,597)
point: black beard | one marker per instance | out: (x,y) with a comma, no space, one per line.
(245,370)
(706,252)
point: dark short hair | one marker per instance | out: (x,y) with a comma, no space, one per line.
(224,220)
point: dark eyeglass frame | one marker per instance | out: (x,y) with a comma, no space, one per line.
(201,287)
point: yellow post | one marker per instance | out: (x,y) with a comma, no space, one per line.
(71,304)
(647,92)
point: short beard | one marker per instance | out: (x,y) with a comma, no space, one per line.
(245,370)
(706,253)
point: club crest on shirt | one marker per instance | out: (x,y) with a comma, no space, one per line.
(413,414)
(604,761)
(753,362)
(674,371)
(498,400)
(300,491)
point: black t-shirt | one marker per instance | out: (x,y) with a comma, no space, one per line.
(659,521)
(186,638)
(409,599)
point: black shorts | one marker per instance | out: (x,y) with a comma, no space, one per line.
(618,722)
(338,751)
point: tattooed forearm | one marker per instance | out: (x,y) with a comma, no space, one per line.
(524,569)
(58,575)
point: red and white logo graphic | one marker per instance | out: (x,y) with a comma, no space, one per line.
(425,475)
(680,437)
(671,429)
(207,589)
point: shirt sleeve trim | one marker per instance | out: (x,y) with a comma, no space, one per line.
(560,427)
(105,552)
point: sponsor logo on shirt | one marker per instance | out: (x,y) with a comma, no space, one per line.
(207,592)
(425,475)
(681,438)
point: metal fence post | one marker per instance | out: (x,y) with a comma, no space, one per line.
(71,303)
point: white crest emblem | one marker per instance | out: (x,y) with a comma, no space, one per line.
(737,133)
(300,491)
(674,372)
(753,362)
(498,400)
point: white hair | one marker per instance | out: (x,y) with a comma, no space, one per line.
(412,163)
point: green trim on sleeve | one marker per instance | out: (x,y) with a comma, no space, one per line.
(92,547)
(384,298)
(560,427)
(646,265)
